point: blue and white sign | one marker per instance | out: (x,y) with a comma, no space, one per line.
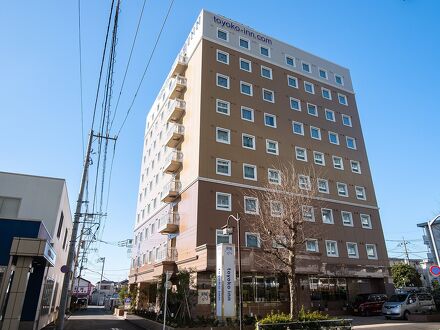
(225,272)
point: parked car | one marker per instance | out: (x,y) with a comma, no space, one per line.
(402,304)
(82,303)
(369,303)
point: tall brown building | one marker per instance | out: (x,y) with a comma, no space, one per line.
(234,103)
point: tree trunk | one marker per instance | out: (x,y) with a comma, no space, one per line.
(292,287)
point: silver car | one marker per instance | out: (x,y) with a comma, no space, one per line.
(402,304)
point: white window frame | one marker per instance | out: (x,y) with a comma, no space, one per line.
(347,138)
(342,184)
(293,61)
(337,138)
(342,162)
(313,106)
(356,256)
(267,147)
(351,224)
(366,216)
(374,249)
(228,107)
(242,141)
(269,170)
(255,172)
(294,99)
(308,64)
(217,160)
(219,208)
(323,158)
(311,84)
(318,130)
(268,51)
(251,111)
(270,72)
(299,149)
(246,234)
(349,119)
(356,189)
(226,32)
(244,39)
(245,198)
(224,53)
(268,90)
(247,84)
(344,97)
(328,251)
(327,189)
(342,79)
(303,207)
(308,184)
(246,61)
(272,116)
(219,232)
(323,89)
(333,115)
(218,75)
(323,70)
(222,141)
(302,127)
(358,166)
(316,245)
(332,218)
(272,213)
(289,77)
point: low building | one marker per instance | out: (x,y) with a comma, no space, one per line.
(82,288)
(431,238)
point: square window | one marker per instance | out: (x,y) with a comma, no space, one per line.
(301,154)
(270,120)
(276,209)
(247,114)
(342,99)
(312,109)
(330,115)
(306,67)
(338,163)
(319,158)
(323,74)
(244,43)
(222,57)
(271,147)
(248,141)
(223,167)
(222,238)
(308,213)
(223,107)
(250,172)
(264,51)
(223,135)
(333,138)
(222,81)
(352,250)
(332,248)
(252,240)
(312,245)
(250,205)
(223,201)
(347,218)
(295,104)
(290,61)
(315,133)
(371,251)
(342,189)
(245,65)
(292,81)
(346,120)
(355,166)
(268,95)
(222,34)
(351,142)
(360,193)
(304,182)
(245,88)
(326,93)
(366,221)
(298,128)
(266,72)
(339,80)
(327,216)
(323,186)
(273,176)
(309,87)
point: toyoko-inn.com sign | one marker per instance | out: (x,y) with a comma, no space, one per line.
(225,273)
(239,28)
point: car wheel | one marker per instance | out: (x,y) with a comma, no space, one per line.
(405,315)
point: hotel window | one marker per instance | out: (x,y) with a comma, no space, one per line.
(351,142)
(306,67)
(223,167)
(312,109)
(333,138)
(268,95)
(247,114)
(290,61)
(308,213)
(371,251)
(264,51)
(346,120)
(270,120)
(347,218)
(352,250)
(222,57)
(222,34)
(309,87)
(248,141)
(339,80)
(360,193)
(276,209)
(244,43)
(245,65)
(250,172)
(272,147)
(312,245)
(222,81)
(342,99)
(223,201)
(298,128)
(292,81)
(223,135)
(252,240)
(327,216)
(366,221)
(326,93)
(274,176)
(245,88)
(266,72)
(338,163)
(223,107)
(301,154)
(250,205)
(323,186)
(323,74)
(332,248)
(318,158)
(295,104)
(330,115)
(315,133)
(222,238)
(304,182)
(355,166)
(342,189)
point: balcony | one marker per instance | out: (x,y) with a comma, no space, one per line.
(179,65)
(426,240)
(175,110)
(176,87)
(171,191)
(167,254)
(174,135)
(169,223)
(173,162)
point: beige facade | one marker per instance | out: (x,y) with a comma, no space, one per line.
(225,111)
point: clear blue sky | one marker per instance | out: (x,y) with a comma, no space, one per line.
(391,48)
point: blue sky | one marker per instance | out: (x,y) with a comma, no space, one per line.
(391,48)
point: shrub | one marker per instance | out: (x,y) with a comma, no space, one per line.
(276,319)
(304,315)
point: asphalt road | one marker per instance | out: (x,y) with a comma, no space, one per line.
(379,323)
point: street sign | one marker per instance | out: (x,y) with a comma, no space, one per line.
(168,285)
(434,270)
(64,269)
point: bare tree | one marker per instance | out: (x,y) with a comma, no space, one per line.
(284,204)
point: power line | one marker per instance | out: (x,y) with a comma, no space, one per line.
(146,68)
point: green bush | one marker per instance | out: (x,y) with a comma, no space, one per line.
(276,319)
(304,315)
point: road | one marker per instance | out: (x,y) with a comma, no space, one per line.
(379,323)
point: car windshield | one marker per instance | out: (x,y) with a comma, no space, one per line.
(398,298)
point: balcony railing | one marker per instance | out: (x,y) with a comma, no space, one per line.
(173,162)
(174,135)
(167,254)
(175,110)
(177,86)
(179,65)
(169,223)
(171,190)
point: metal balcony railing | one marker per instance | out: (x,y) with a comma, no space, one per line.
(169,223)
(176,87)
(175,110)
(173,162)
(171,190)
(174,135)
(167,254)
(179,65)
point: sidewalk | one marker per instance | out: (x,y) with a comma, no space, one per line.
(145,323)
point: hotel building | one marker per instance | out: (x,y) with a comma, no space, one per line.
(234,103)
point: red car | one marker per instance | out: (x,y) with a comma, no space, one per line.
(369,303)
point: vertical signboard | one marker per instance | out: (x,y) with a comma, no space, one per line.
(225,272)
(219,287)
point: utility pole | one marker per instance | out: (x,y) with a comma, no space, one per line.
(102,271)
(71,253)
(406,250)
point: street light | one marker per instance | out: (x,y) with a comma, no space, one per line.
(228,230)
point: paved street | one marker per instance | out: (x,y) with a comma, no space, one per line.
(379,323)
